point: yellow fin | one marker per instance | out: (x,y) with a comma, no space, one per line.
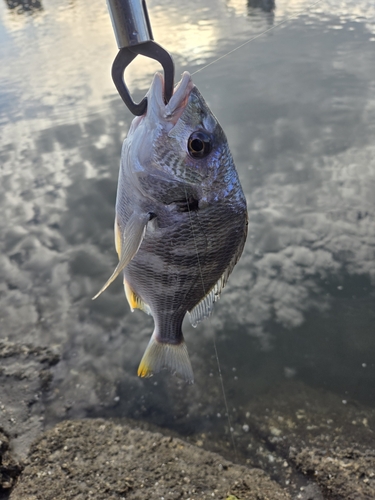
(134,301)
(117,238)
(159,355)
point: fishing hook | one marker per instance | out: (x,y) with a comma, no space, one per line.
(132,28)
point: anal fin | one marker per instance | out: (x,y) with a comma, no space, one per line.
(135,302)
(117,238)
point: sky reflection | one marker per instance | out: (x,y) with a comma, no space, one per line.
(297,105)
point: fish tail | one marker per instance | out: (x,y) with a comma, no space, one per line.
(159,355)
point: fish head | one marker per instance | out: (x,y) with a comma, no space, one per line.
(181,138)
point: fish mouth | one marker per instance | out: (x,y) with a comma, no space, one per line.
(175,107)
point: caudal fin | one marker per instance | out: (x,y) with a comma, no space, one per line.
(174,357)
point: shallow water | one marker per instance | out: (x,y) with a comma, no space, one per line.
(298,107)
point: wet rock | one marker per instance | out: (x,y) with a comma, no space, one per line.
(329,440)
(102,459)
(9,467)
(24,377)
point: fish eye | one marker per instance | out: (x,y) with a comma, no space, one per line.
(199,144)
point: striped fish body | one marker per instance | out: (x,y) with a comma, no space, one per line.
(181,219)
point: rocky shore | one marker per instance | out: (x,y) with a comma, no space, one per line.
(101,459)
(297,443)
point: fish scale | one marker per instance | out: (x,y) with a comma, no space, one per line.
(181,219)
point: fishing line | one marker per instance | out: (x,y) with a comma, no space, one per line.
(231,430)
(214,341)
(192,225)
(254,38)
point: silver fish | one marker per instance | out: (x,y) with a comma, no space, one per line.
(181,219)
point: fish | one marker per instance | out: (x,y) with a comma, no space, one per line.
(181,219)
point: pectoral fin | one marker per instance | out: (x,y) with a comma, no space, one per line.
(131,241)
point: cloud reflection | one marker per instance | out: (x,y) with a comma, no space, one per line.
(300,127)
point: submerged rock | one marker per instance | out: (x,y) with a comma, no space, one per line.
(331,441)
(24,376)
(317,446)
(101,459)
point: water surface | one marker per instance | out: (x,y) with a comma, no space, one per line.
(298,107)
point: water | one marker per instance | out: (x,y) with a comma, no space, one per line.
(298,107)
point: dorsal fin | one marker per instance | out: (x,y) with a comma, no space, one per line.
(205,306)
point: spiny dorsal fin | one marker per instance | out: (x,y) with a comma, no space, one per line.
(132,238)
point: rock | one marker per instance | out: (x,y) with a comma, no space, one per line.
(102,459)
(9,467)
(24,377)
(331,441)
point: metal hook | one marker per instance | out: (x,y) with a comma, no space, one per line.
(134,36)
(125,57)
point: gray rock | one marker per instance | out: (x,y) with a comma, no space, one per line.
(24,377)
(329,440)
(102,459)
(9,467)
